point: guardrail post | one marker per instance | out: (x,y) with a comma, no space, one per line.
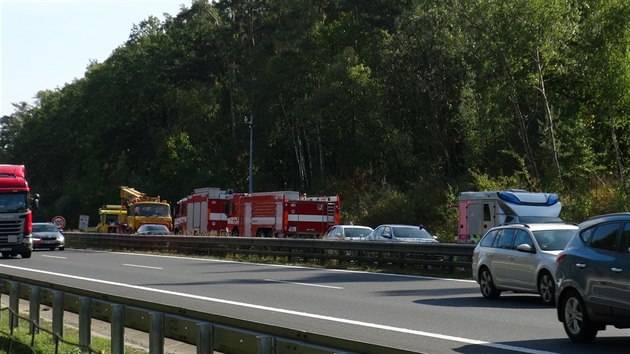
(118,329)
(156,334)
(34,305)
(85,321)
(14,303)
(204,343)
(57,301)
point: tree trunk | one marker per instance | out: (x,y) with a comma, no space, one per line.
(541,88)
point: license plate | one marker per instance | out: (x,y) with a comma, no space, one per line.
(5,249)
(48,242)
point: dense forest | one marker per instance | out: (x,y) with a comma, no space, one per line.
(395,105)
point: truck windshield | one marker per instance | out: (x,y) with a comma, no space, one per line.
(13,202)
(152,210)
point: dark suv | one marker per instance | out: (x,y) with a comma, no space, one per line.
(593,277)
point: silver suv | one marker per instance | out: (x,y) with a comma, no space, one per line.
(593,275)
(520,258)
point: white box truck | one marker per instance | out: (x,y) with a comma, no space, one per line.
(479,211)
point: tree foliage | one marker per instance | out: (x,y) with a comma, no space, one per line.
(394,105)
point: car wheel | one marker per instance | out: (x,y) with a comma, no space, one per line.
(486,284)
(62,248)
(575,319)
(26,255)
(546,288)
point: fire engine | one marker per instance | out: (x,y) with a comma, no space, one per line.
(282,214)
(480,211)
(203,212)
(16,215)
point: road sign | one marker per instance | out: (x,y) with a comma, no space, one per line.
(59,221)
(84,220)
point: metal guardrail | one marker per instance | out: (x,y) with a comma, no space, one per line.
(443,256)
(208,332)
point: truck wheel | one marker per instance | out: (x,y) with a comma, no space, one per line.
(26,254)
(6,255)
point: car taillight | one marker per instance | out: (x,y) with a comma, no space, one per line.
(28,225)
(560,258)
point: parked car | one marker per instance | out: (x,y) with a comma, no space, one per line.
(593,275)
(520,258)
(153,229)
(401,233)
(347,232)
(48,235)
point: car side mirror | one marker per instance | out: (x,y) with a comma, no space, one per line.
(525,248)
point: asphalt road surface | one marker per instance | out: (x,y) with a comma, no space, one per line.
(429,315)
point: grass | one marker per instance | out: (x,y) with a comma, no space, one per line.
(44,341)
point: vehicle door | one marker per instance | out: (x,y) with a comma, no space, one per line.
(501,264)
(524,262)
(621,277)
(598,267)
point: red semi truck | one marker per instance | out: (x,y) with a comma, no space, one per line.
(16,216)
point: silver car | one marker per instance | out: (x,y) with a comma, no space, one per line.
(520,258)
(401,233)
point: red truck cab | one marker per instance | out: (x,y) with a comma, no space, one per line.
(16,217)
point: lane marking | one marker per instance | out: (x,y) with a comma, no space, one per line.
(58,257)
(305,284)
(294,313)
(141,266)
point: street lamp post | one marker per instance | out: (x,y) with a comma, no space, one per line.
(250,122)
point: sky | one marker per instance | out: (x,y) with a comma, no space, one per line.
(47,44)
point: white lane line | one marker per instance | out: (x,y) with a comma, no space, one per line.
(58,257)
(305,284)
(295,313)
(141,266)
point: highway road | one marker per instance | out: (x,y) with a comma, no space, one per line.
(429,315)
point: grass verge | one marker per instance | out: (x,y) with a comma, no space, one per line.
(44,342)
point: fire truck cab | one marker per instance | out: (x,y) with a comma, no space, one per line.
(203,212)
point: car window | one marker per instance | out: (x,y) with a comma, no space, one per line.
(625,238)
(489,239)
(357,232)
(522,237)
(378,232)
(604,237)
(553,240)
(45,228)
(506,238)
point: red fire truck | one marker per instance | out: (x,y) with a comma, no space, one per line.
(16,217)
(203,212)
(282,214)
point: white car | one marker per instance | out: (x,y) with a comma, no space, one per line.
(521,258)
(347,232)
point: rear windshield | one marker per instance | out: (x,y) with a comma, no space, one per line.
(553,240)
(357,232)
(410,232)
